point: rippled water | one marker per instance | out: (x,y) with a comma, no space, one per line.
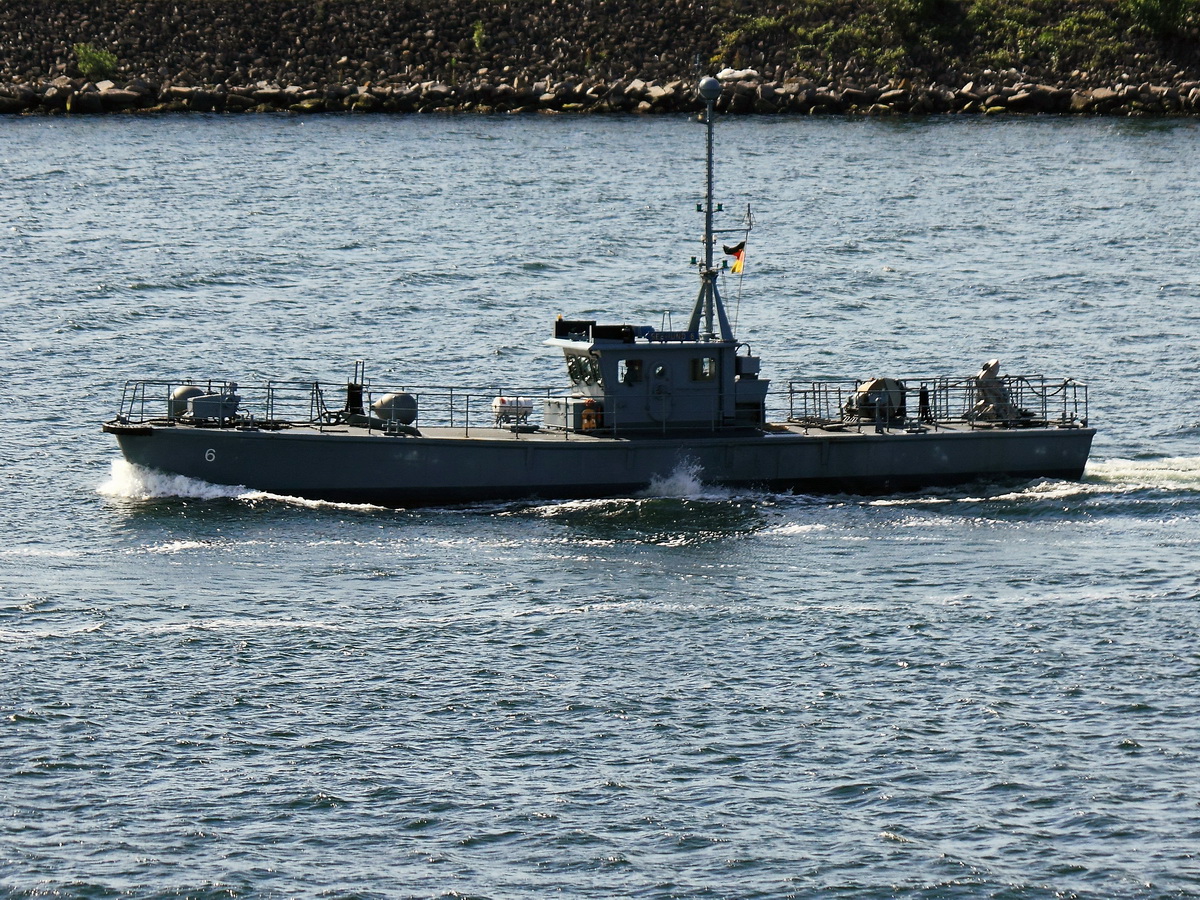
(986,692)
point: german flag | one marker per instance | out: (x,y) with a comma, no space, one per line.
(738,252)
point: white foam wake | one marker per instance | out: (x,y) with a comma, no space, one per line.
(1101,477)
(1181,473)
(684,482)
(252,496)
(130,482)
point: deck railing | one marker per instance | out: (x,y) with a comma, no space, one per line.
(1009,401)
(1006,401)
(324,405)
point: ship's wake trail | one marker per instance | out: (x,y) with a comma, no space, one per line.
(1181,473)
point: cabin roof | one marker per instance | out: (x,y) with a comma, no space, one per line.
(588,335)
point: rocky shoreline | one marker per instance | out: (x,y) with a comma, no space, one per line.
(743,94)
(515,56)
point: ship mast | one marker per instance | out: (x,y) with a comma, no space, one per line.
(709,299)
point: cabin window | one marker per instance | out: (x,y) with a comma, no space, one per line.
(583,370)
(629,371)
(704,369)
(660,371)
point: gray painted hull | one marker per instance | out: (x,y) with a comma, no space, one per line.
(493,464)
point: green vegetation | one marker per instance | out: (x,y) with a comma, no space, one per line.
(895,38)
(1164,17)
(479,36)
(863,40)
(1036,32)
(95,65)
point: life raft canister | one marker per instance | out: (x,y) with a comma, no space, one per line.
(512,409)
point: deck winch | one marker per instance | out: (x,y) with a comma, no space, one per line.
(878,400)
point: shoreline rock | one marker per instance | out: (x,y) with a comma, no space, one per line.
(515,56)
(745,96)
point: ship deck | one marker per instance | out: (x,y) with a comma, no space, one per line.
(804,409)
(838,431)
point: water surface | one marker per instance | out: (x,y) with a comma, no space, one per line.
(985,692)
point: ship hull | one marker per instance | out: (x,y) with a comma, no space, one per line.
(494,464)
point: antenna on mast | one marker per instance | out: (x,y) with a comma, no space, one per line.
(708,301)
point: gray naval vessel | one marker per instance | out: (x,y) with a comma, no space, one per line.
(643,403)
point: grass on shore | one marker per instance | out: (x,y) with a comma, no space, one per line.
(890,38)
